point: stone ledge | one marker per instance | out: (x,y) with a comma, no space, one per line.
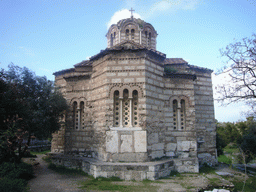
(128,171)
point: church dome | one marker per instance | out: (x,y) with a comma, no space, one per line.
(132,29)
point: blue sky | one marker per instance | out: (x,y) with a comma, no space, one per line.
(48,36)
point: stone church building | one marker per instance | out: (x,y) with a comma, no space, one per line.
(131,103)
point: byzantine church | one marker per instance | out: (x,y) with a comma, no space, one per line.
(131,103)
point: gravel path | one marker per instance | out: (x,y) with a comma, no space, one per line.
(47,180)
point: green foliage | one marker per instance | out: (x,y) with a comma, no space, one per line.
(240,135)
(228,133)
(220,144)
(29,105)
(19,171)
(13,177)
(40,153)
(225,159)
(12,185)
(249,147)
(214,181)
(249,184)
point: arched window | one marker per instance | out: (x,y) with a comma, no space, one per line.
(149,39)
(125,111)
(116,109)
(179,111)
(111,40)
(132,34)
(127,34)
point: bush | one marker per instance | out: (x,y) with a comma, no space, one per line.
(225,159)
(12,185)
(220,144)
(249,147)
(13,177)
(16,171)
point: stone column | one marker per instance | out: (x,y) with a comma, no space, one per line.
(130,112)
(121,111)
(79,117)
(178,116)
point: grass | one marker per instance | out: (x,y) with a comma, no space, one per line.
(250,184)
(107,184)
(47,159)
(67,171)
(214,181)
(225,159)
(40,153)
(175,173)
(206,169)
(231,150)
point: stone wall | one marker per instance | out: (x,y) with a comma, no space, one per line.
(58,141)
(205,120)
(126,71)
(156,136)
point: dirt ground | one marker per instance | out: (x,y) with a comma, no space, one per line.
(47,180)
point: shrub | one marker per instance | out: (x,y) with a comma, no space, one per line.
(11,185)
(16,171)
(220,144)
(13,177)
(225,159)
(249,147)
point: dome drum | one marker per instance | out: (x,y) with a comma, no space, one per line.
(132,29)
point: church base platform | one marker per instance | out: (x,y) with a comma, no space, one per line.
(127,171)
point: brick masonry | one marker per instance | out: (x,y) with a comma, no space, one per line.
(129,103)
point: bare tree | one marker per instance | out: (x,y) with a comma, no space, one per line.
(240,81)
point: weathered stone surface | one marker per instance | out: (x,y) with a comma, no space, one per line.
(126,143)
(170,154)
(224,173)
(112,141)
(171,147)
(140,141)
(153,138)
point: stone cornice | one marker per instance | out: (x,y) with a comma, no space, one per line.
(180,75)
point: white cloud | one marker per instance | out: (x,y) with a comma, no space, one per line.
(165,5)
(122,14)
(158,6)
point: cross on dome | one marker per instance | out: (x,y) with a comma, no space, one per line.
(131,12)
